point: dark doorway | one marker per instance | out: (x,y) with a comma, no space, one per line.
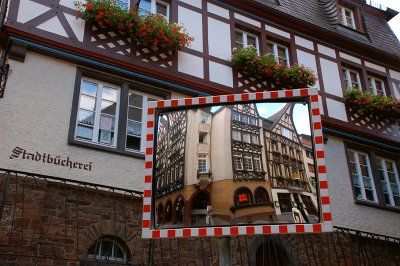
(168,212)
(160,212)
(200,201)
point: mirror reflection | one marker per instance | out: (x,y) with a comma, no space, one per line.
(249,163)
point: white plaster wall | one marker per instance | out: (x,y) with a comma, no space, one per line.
(336,109)
(190,64)
(303,42)
(192,21)
(394,74)
(277,31)
(219,11)
(221,74)
(331,77)
(374,66)
(38,102)
(326,51)
(345,212)
(221,157)
(308,60)
(29,10)
(219,39)
(350,58)
(196,3)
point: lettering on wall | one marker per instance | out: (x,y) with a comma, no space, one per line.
(49,159)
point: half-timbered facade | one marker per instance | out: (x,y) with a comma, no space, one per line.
(73,96)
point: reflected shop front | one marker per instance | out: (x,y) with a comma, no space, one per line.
(248,163)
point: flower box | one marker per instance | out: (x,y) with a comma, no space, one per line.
(151,30)
(372,105)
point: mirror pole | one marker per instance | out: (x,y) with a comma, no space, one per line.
(225,251)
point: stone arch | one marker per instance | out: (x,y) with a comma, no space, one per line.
(271,250)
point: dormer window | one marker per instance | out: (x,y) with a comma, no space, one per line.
(244,39)
(346,17)
(351,78)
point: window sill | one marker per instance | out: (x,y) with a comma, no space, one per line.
(377,205)
(105,148)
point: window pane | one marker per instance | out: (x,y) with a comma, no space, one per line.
(144,7)
(270,48)
(106,136)
(122,3)
(136,100)
(134,128)
(87,102)
(132,142)
(251,40)
(106,248)
(107,122)
(84,132)
(110,94)
(86,117)
(239,40)
(108,107)
(161,9)
(135,114)
(89,88)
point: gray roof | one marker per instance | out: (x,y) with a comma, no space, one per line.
(322,13)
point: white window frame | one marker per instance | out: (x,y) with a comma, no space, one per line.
(144,107)
(111,257)
(202,159)
(257,163)
(348,80)
(248,157)
(388,184)
(372,85)
(238,155)
(97,111)
(275,51)
(244,39)
(153,7)
(361,177)
(342,11)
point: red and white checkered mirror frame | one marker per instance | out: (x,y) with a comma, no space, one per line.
(325,224)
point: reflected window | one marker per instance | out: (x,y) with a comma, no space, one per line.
(261,195)
(390,181)
(274,145)
(310,207)
(235,116)
(243,196)
(361,175)
(246,137)
(311,168)
(124,4)
(277,169)
(245,119)
(253,121)
(237,160)
(98,109)
(204,118)
(236,135)
(257,163)
(108,249)
(248,162)
(202,163)
(255,139)
(286,133)
(285,203)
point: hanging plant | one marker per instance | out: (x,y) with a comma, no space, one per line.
(152,30)
(370,104)
(266,67)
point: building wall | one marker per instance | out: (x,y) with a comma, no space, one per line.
(345,212)
(37,108)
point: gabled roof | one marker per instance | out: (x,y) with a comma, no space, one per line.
(323,14)
(271,121)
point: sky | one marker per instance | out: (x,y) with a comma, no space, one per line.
(394,22)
